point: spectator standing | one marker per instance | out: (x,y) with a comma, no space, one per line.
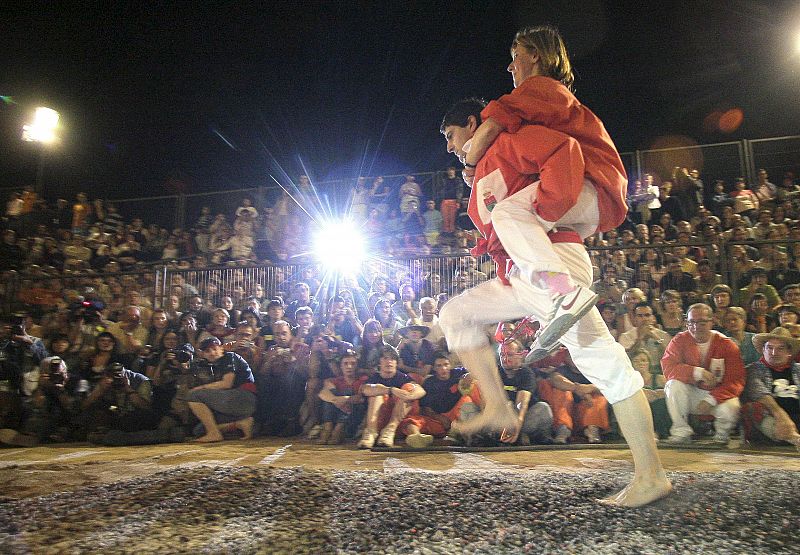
(451,194)
(433,223)
(745,202)
(410,192)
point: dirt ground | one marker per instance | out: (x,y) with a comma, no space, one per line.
(57,468)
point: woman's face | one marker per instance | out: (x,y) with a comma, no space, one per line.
(671,304)
(372,334)
(722,299)
(227,303)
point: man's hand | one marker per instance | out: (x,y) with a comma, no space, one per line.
(708,379)
(704,407)
(468,175)
(343,404)
(510,435)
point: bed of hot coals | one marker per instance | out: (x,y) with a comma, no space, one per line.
(271,510)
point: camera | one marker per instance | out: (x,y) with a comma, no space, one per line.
(117,373)
(182,356)
(54,371)
(203,371)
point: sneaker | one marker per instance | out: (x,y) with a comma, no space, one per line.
(562,435)
(368,441)
(592,433)
(419,441)
(567,310)
(678,440)
(720,439)
(386,439)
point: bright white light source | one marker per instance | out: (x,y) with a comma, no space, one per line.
(340,247)
(42,130)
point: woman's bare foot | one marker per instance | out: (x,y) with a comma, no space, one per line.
(209,438)
(246,427)
(640,492)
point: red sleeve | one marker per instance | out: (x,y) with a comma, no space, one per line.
(537,100)
(732,383)
(672,364)
(557,158)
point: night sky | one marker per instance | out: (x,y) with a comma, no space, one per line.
(221,97)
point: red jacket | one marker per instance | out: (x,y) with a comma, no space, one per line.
(508,167)
(682,356)
(547,102)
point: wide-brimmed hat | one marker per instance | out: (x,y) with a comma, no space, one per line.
(411,325)
(780,334)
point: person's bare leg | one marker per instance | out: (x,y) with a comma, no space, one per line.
(497,413)
(206,418)
(649,482)
(245,425)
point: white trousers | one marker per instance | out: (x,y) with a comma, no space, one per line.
(592,348)
(682,400)
(524,234)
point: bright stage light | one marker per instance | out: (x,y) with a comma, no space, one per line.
(43,127)
(340,247)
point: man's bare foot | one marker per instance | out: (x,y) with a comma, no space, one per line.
(246,427)
(640,492)
(488,420)
(209,438)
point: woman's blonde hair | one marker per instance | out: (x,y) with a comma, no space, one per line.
(547,42)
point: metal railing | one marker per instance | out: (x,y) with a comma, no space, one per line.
(430,275)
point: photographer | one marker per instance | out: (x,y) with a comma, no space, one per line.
(172,379)
(50,410)
(118,409)
(245,344)
(20,355)
(229,399)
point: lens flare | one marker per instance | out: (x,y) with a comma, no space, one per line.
(340,247)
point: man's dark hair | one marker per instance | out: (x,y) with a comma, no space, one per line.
(440,354)
(459,113)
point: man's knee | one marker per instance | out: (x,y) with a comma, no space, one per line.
(676,389)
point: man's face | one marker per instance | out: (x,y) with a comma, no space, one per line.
(512,356)
(304,320)
(387,367)
(195,304)
(699,324)
(348,367)
(408,293)
(643,315)
(245,333)
(441,368)
(792,296)
(787,317)
(282,336)
(428,309)
(414,336)
(132,316)
(733,323)
(277,312)
(523,64)
(302,294)
(160,320)
(777,353)
(213,353)
(457,137)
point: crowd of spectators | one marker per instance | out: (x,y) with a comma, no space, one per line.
(86,355)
